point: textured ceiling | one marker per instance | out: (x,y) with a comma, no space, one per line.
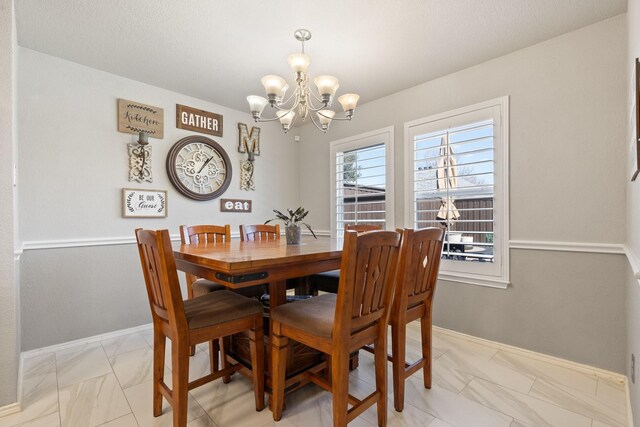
(218,50)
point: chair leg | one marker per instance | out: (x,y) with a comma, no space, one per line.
(425,329)
(159,346)
(190,280)
(398,353)
(256,343)
(380,356)
(214,353)
(340,386)
(279,349)
(225,344)
(180,377)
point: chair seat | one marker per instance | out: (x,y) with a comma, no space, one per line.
(203,286)
(219,307)
(314,315)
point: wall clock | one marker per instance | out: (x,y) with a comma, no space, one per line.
(199,168)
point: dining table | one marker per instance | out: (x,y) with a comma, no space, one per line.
(239,264)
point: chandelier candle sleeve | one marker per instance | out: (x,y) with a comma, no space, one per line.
(301,102)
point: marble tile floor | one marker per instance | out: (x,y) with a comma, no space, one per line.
(108,384)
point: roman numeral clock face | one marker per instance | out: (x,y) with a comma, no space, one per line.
(199,168)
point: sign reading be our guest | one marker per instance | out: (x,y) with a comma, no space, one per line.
(144,203)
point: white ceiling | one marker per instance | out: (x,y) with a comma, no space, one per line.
(218,50)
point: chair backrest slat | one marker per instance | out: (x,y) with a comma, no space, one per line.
(260,232)
(421,265)
(205,233)
(371,281)
(362,228)
(367,277)
(161,277)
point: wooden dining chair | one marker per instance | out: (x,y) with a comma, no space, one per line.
(192,235)
(339,324)
(259,232)
(327,281)
(422,250)
(187,323)
(203,233)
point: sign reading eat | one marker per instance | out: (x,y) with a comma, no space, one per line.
(235,205)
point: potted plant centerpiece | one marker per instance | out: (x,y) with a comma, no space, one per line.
(291,224)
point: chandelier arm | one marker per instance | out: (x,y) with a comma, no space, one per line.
(338,118)
(266,120)
(293,107)
(315,96)
(316,124)
(295,92)
(310,103)
(319,108)
(295,119)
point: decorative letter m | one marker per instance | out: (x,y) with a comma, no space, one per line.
(249,142)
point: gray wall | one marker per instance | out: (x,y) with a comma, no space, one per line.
(73,167)
(633,207)
(9,303)
(567,185)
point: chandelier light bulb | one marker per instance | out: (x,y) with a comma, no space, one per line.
(274,86)
(299,62)
(325,117)
(327,85)
(349,101)
(286,117)
(257,104)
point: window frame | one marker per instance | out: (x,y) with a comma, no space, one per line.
(496,276)
(363,140)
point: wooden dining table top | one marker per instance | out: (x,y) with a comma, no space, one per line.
(239,263)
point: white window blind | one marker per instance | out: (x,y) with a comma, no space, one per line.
(454,188)
(457,179)
(362,181)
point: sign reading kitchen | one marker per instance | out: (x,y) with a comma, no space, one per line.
(198,120)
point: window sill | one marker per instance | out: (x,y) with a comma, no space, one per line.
(469,279)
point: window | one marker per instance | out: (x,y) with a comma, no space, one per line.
(362,181)
(456,177)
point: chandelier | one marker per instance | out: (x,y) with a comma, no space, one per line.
(303,98)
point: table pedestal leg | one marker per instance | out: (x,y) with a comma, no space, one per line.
(277,294)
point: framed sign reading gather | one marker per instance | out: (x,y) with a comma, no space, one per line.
(144,203)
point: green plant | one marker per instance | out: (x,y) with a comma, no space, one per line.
(294,218)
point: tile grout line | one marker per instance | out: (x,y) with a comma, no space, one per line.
(55,359)
(119,385)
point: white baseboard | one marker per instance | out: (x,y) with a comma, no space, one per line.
(535,355)
(81,341)
(9,409)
